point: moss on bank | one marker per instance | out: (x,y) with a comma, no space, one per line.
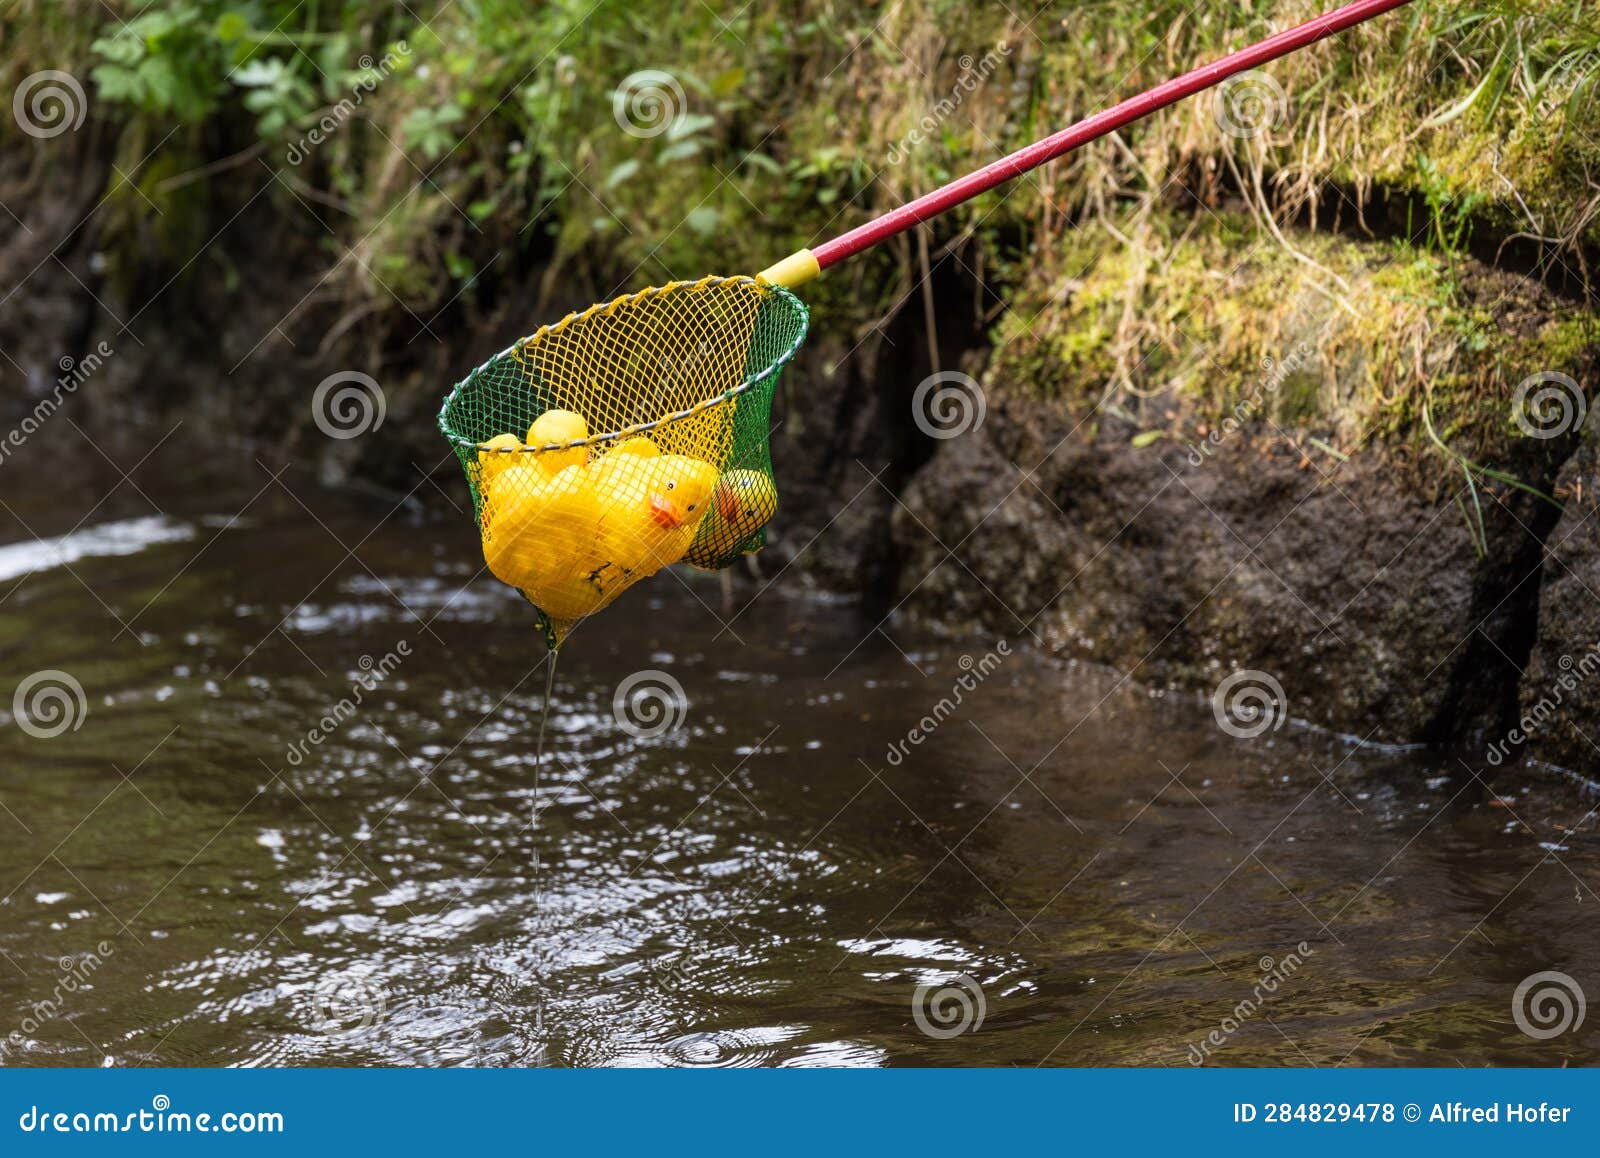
(1351,339)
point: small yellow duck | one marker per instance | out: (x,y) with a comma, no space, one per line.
(497,454)
(743,502)
(541,534)
(652,508)
(572,534)
(555,428)
(626,453)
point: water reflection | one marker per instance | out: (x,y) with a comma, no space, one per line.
(1098,871)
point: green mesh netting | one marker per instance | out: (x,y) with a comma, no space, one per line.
(626,438)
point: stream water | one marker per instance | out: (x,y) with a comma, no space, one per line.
(290,822)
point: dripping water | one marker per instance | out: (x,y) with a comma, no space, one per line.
(544,719)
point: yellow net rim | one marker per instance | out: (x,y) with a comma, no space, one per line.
(514,351)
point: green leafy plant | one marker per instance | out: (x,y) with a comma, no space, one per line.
(431,130)
(275,92)
(163,61)
(185,58)
(1450,214)
(1473,472)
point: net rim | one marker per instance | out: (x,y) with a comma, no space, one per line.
(514,350)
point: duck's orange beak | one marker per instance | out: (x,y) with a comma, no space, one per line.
(727,502)
(666,513)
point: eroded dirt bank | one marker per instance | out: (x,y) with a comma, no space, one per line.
(1398,586)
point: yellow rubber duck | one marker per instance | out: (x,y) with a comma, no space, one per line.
(640,447)
(542,535)
(576,538)
(652,507)
(512,494)
(497,454)
(555,427)
(745,500)
(742,503)
(628,452)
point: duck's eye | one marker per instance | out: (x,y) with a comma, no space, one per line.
(671,484)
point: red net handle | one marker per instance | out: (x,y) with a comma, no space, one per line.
(805,264)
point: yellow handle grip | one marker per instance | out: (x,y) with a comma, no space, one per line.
(796,269)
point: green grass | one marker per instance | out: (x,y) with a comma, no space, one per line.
(792,108)
(494,137)
(1143,304)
